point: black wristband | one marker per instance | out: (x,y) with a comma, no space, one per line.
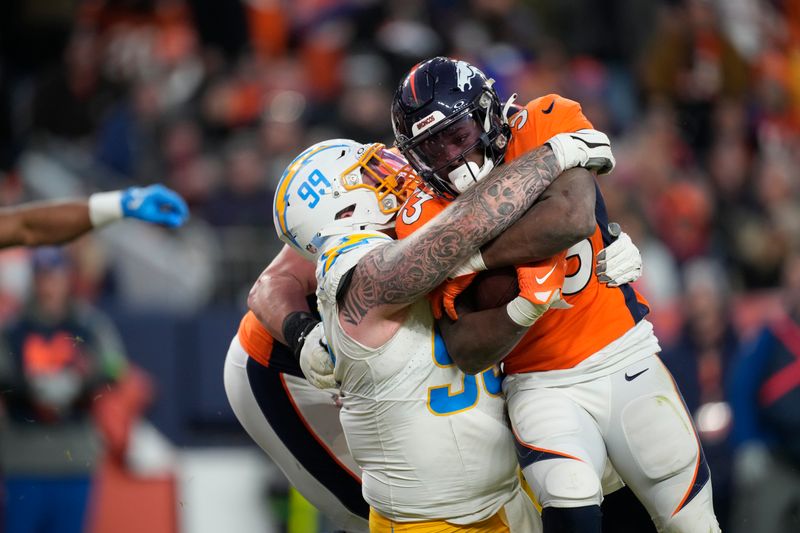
(295,328)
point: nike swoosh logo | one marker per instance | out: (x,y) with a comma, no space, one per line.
(636,375)
(544,278)
(590,145)
(549,108)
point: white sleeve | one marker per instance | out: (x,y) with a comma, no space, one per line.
(340,256)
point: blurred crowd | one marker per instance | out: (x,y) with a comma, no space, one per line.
(701,99)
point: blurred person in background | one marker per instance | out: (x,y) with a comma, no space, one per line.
(54,360)
(58,222)
(682,219)
(366,96)
(764,394)
(190,167)
(70,101)
(243,195)
(692,62)
(699,360)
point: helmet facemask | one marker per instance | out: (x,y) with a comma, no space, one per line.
(383,172)
(378,174)
(478,125)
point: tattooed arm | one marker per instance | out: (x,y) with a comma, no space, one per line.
(392,276)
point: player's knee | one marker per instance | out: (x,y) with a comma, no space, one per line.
(660,436)
(571,483)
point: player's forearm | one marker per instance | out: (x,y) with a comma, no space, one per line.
(563,217)
(44,223)
(281,290)
(275,298)
(403,271)
(480,339)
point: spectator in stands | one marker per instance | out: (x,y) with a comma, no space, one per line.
(54,362)
(765,393)
(70,102)
(243,198)
(691,61)
(699,360)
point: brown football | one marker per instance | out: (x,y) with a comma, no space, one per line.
(493,288)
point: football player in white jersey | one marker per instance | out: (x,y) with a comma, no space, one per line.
(430,440)
(293,422)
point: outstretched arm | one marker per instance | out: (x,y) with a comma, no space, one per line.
(281,291)
(42,223)
(562,217)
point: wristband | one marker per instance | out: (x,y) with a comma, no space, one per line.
(524,313)
(295,327)
(474,263)
(105,207)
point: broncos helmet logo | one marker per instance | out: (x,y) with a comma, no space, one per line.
(464,74)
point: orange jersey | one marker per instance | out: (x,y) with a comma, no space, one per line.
(600,314)
(262,347)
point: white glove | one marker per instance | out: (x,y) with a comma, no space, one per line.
(619,263)
(583,148)
(315,361)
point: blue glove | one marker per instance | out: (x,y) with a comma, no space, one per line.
(156,204)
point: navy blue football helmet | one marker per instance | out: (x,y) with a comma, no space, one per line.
(443,111)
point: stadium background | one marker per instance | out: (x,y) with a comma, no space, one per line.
(701,99)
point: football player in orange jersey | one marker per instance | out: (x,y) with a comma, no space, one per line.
(584,383)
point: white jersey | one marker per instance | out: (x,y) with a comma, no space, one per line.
(432,442)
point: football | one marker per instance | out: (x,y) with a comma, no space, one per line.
(493,288)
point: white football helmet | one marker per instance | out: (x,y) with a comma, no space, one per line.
(336,187)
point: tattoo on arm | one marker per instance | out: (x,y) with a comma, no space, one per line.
(402,271)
